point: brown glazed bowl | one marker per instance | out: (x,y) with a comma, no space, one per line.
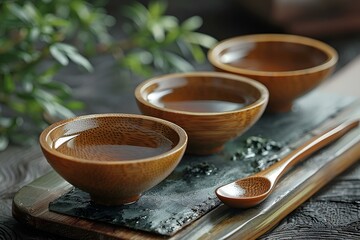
(113,157)
(288,65)
(212,107)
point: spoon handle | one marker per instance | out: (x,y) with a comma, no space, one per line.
(274,172)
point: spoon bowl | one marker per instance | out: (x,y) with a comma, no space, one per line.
(250,191)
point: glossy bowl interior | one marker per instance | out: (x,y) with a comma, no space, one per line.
(212,107)
(113,157)
(288,65)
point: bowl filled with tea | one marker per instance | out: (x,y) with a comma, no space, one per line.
(113,157)
(212,107)
(288,65)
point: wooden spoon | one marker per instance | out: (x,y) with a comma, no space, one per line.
(252,190)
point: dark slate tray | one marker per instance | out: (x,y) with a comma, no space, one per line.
(188,193)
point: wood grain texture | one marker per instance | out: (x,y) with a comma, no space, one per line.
(332,213)
(18,167)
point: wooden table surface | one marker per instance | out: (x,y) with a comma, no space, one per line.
(333,213)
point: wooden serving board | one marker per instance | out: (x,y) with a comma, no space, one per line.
(30,205)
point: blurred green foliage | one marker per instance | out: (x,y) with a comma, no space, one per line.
(38,38)
(161,42)
(33,47)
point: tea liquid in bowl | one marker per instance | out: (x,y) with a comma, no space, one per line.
(210,96)
(118,142)
(273,56)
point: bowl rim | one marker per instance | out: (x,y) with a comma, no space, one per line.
(262,100)
(183,138)
(214,52)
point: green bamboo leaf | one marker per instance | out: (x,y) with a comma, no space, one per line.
(172,36)
(137,13)
(49,73)
(183,47)
(160,60)
(169,22)
(80,60)
(142,56)
(194,50)
(62,90)
(58,54)
(55,21)
(26,57)
(30,10)
(18,12)
(192,23)
(65,47)
(197,53)
(156,8)
(133,62)
(33,109)
(65,51)
(27,84)
(75,105)
(178,62)
(72,53)
(44,96)
(158,32)
(200,39)
(47,31)
(48,107)
(63,112)
(57,110)
(82,11)
(34,33)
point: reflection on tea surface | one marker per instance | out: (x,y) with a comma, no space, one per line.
(203,105)
(273,56)
(208,99)
(116,146)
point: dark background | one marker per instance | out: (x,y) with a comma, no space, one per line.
(336,22)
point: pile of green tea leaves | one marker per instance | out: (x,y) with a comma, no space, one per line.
(258,152)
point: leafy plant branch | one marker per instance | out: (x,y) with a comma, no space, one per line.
(36,41)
